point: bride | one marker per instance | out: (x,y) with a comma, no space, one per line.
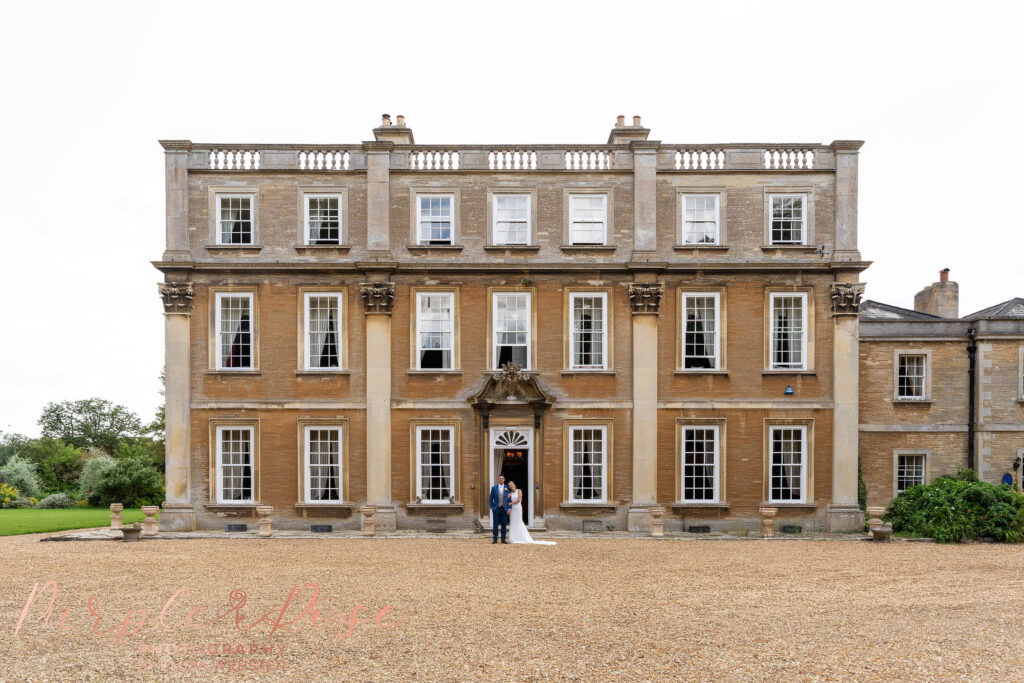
(517,532)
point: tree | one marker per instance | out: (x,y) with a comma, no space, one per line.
(91,422)
(10,445)
(132,481)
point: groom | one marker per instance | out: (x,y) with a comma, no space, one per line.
(499,509)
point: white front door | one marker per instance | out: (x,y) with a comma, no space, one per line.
(516,441)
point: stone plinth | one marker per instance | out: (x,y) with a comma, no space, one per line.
(657,524)
(369,524)
(130,534)
(115,515)
(149,523)
(767,520)
(264,512)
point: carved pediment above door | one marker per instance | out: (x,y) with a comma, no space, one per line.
(511,385)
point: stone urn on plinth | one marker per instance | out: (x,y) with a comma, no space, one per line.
(657,524)
(115,515)
(875,516)
(369,525)
(767,520)
(264,512)
(149,523)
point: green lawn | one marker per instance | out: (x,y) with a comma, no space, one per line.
(33,521)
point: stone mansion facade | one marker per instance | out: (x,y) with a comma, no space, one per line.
(613,327)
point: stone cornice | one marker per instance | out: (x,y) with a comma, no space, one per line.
(645,298)
(177,297)
(846,145)
(176,145)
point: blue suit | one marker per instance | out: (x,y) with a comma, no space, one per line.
(500,516)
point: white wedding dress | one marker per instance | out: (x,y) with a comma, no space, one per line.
(517,532)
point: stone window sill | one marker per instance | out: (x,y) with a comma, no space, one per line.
(322,249)
(512,247)
(797,506)
(587,507)
(323,372)
(694,505)
(701,247)
(789,372)
(589,248)
(333,505)
(584,371)
(234,372)
(700,371)
(440,508)
(789,247)
(433,248)
(225,249)
(911,401)
(435,372)
(226,507)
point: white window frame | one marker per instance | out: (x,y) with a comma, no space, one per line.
(716,464)
(495,330)
(572,220)
(220,464)
(900,355)
(686,197)
(218,348)
(686,297)
(451,329)
(307,239)
(896,468)
(573,296)
(420,239)
(772,331)
(494,218)
(307,320)
(604,462)
(419,463)
(805,207)
(219,235)
(308,466)
(803,463)
(1020,374)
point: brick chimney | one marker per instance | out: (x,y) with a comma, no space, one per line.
(940,298)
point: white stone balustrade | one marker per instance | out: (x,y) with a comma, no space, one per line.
(588,160)
(324,160)
(234,159)
(433,160)
(789,159)
(512,160)
(699,159)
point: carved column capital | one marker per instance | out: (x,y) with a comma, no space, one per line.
(378,297)
(177,296)
(644,299)
(846,297)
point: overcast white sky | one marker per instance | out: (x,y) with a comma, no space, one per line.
(86,89)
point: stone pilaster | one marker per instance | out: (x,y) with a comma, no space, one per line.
(378,195)
(177,513)
(843,513)
(378,298)
(176,186)
(645,300)
(645,179)
(847,154)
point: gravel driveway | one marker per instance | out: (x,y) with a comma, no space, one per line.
(586,609)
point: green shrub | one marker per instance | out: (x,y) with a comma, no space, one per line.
(89,480)
(57,500)
(22,503)
(132,481)
(82,503)
(954,509)
(8,494)
(21,474)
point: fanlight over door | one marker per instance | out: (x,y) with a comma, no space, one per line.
(510,439)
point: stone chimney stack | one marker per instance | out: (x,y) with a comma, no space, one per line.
(940,298)
(623,134)
(388,132)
